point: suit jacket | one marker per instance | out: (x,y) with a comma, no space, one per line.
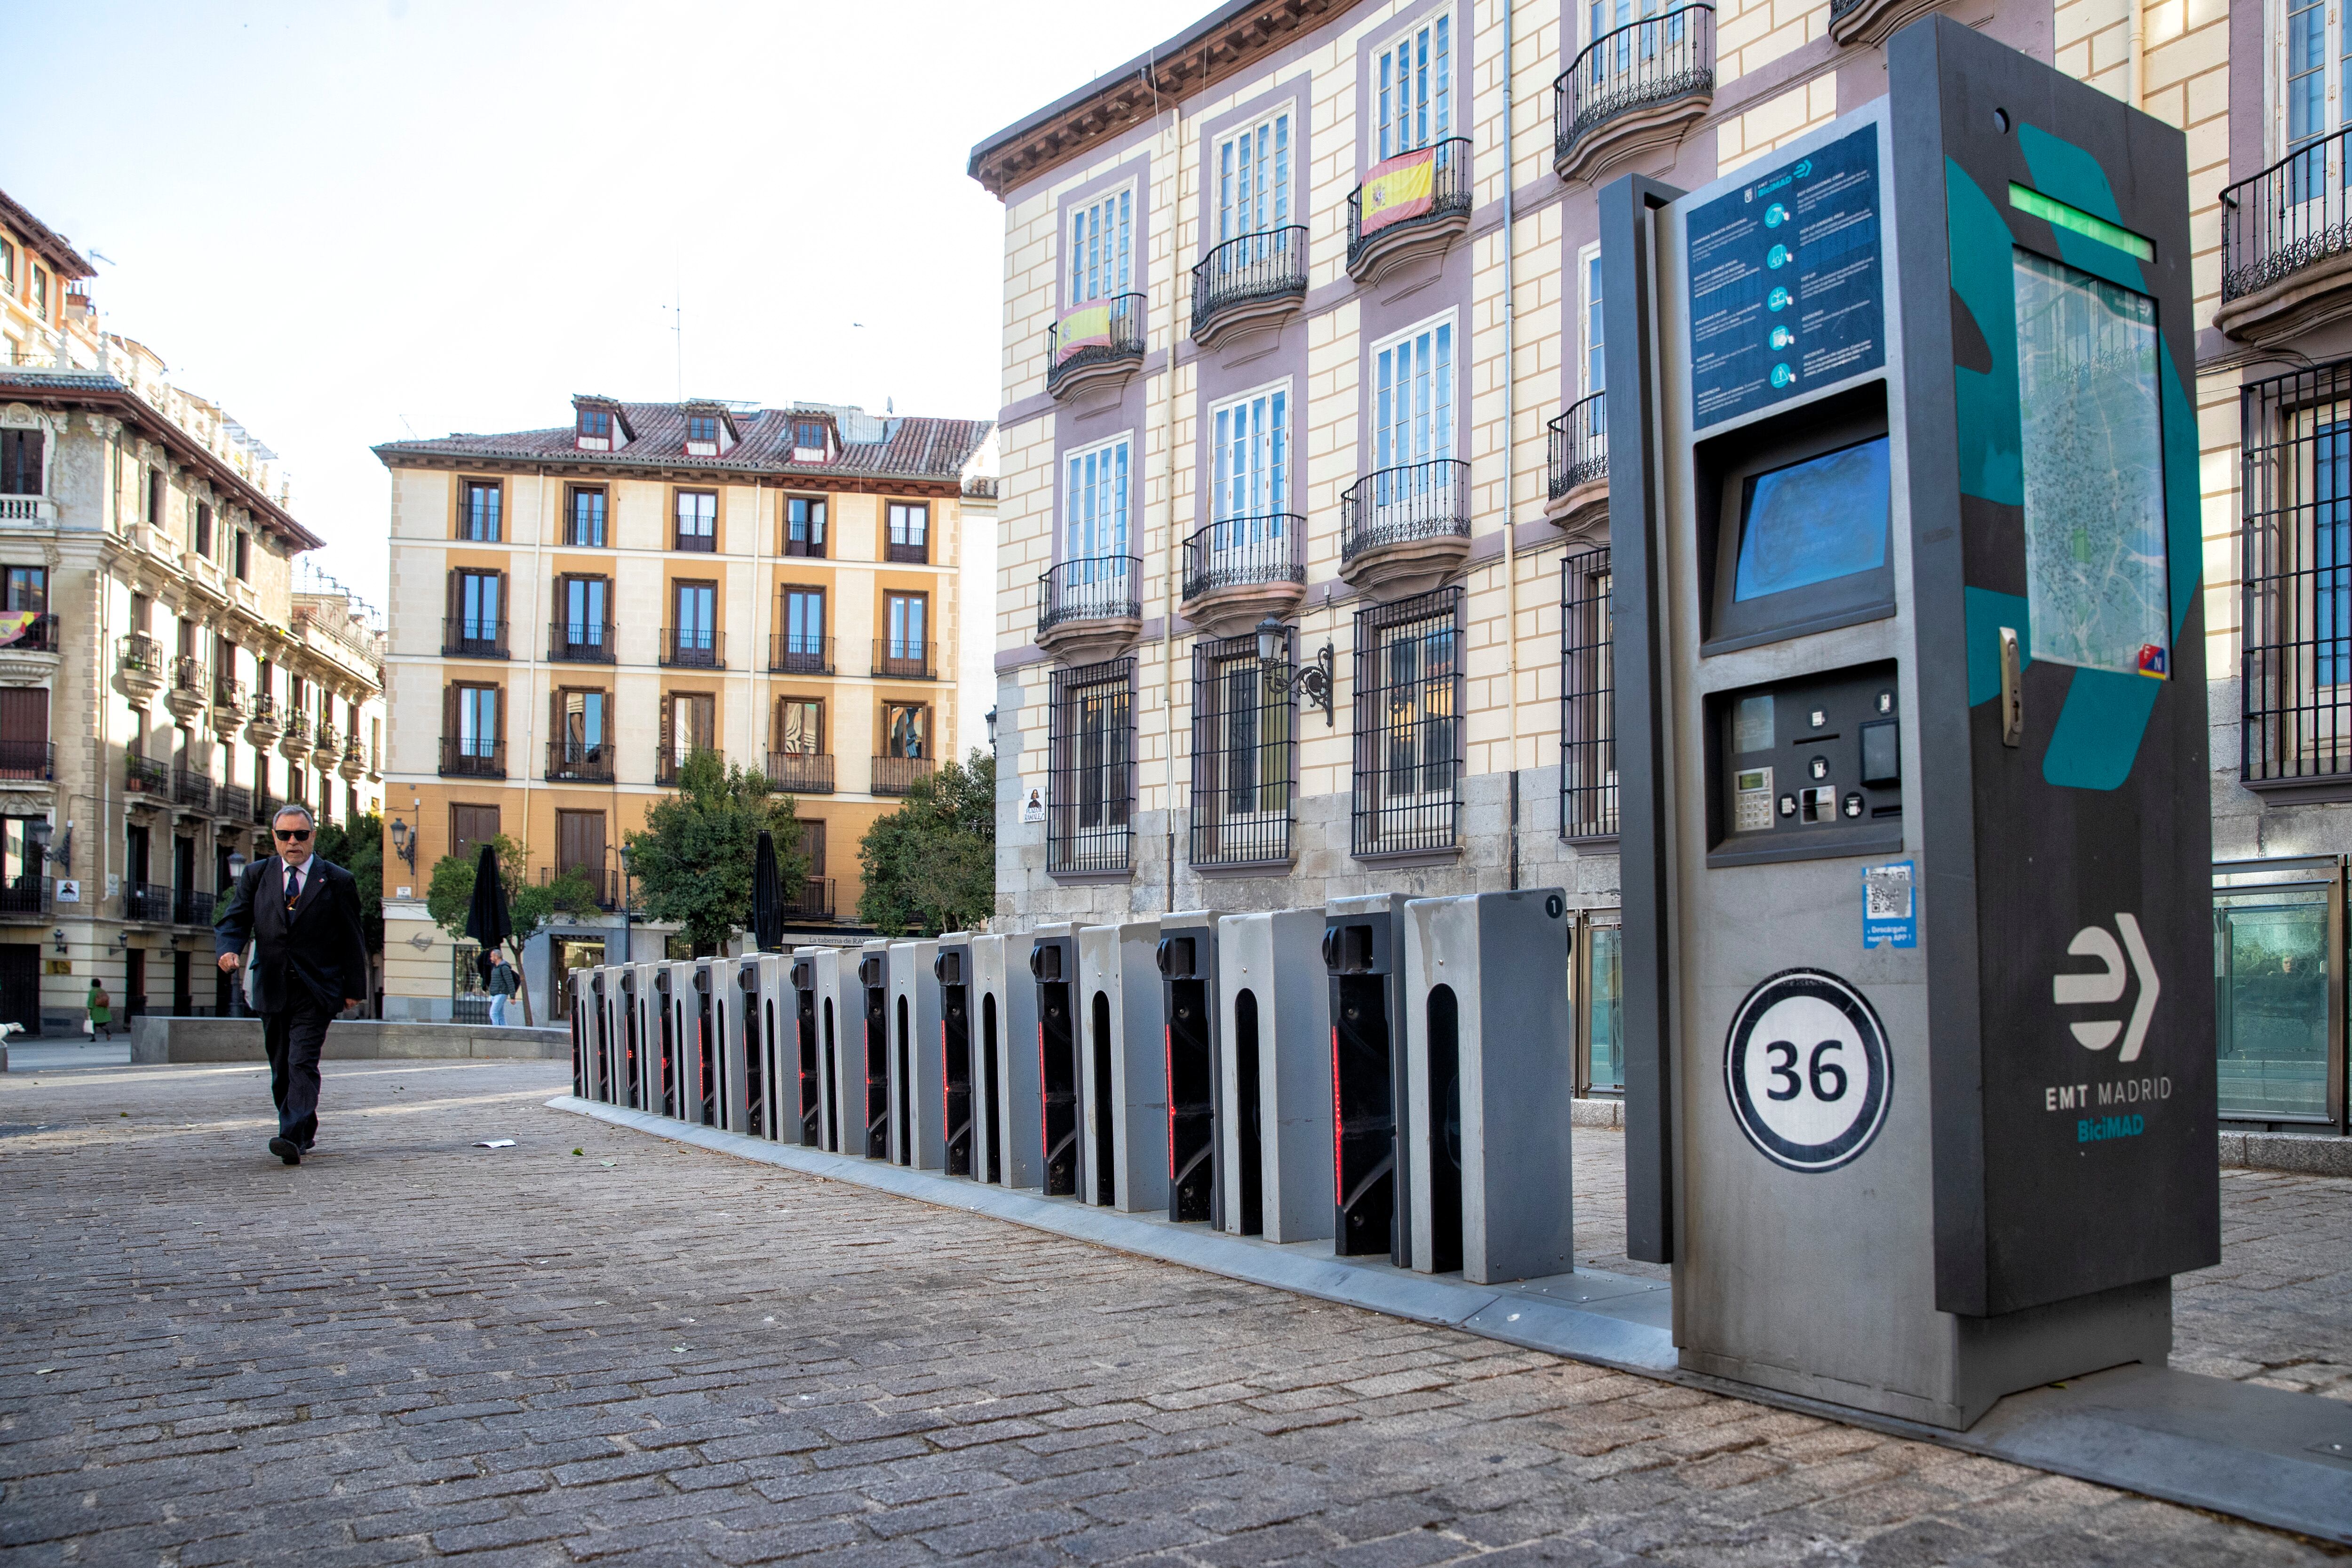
(318,947)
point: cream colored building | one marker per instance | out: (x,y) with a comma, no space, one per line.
(1302,319)
(161,686)
(577,610)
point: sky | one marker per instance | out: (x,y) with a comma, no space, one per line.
(354,223)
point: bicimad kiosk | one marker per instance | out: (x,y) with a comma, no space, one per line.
(1911,685)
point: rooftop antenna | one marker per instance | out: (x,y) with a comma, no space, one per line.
(678,324)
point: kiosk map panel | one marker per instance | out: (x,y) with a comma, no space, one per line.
(1785,283)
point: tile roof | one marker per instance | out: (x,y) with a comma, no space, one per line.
(44,239)
(903,447)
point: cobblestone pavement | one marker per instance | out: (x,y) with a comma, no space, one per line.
(410,1348)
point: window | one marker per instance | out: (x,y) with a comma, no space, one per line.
(203,543)
(158,487)
(1094,504)
(1089,777)
(810,437)
(702,429)
(476,731)
(1408,697)
(24,732)
(799,726)
(25,588)
(802,648)
(1241,757)
(1412,396)
(906,646)
(582,734)
(689,723)
(584,518)
(1254,179)
(1589,268)
(8,266)
(694,631)
(595,430)
(243,556)
(2317,55)
(697,519)
(804,526)
(903,726)
(580,845)
(477,511)
(40,291)
(476,615)
(910,532)
(1249,440)
(470,827)
(581,628)
(1588,737)
(20,462)
(1101,248)
(2297,520)
(1415,101)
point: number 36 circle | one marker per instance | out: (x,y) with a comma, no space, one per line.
(1807,1068)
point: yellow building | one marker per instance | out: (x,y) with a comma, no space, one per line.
(163,685)
(577,610)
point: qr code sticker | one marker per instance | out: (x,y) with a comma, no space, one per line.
(1886,892)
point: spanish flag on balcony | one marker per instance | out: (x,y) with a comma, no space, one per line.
(14,623)
(1396,189)
(1088,326)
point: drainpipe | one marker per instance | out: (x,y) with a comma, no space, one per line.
(1168,565)
(1510,422)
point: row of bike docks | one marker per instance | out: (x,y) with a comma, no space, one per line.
(1391,1075)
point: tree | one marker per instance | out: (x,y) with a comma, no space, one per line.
(692,860)
(357,845)
(930,865)
(449,897)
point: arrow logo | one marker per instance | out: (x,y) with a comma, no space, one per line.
(2107,984)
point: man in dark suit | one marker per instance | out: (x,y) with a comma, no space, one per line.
(309,960)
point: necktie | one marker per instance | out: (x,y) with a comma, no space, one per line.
(293,888)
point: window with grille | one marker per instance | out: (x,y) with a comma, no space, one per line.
(2296,495)
(1243,757)
(583,521)
(1090,773)
(1588,734)
(477,511)
(1408,726)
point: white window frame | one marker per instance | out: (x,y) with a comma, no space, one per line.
(1280,128)
(1075,264)
(1122,534)
(1281,455)
(1448,322)
(2335,45)
(1444,84)
(1588,301)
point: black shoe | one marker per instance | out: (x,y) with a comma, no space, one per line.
(287,1150)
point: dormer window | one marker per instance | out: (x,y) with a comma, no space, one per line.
(809,444)
(702,436)
(595,430)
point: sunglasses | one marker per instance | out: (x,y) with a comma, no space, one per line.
(292,834)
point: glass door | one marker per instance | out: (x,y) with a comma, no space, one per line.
(2278,992)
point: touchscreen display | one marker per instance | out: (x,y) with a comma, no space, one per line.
(1813,522)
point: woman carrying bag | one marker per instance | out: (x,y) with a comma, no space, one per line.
(101,1012)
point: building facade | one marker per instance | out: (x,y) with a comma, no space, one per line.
(1303,321)
(161,685)
(576,610)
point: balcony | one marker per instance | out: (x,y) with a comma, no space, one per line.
(1090,609)
(816,900)
(27,508)
(354,765)
(895,658)
(229,705)
(897,775)
(2286,245)
(1240,570)
(192,906)
(696,543)
(692,647)
(801,772)
(27,762)
(464,636)
(600,882)
(571,762)
(669,764)
(191,690)
(39,634)
(233,803)
(261,720)
(27,894)
(580,642)
(1578,466)
(294,741)
(149,903)
(1638,86)
(140,668)
(1249,282)
(790,654)
(265,808)
(1098,342)
(326,747)
(147,777)
(1409,207)
(191,788)
(473,757)
(1405,531)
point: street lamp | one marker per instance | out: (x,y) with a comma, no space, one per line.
(403,843)
(991,717)
(628,909)
(1311,682)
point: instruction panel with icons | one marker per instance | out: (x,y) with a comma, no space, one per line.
(1810,768)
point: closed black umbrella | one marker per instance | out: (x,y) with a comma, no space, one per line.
(487,920)
(767,896)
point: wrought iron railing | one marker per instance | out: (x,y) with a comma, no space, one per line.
(39,635)
(295,725)
(580,642)
(1245,766)
(192,906)
(669,764)
(467,636)
(138,651)
(1654,60)
(1090,768)
(233,803)
(899,659)
(1588,722)
(792,653)
(145,775)
(1449,196)
(190,787)
(1246,551)
(26,895)
(147,902)
(1406,792)
(1091,588)
(801,772)
(188,675)
(692,647)
(2287,217)
(1074,344)
(897,775)
(473,757)
(28,760)
(576,761)
(1249,270)
(816,900)
(600,879)
(1425,500)
(1579,445)
(2295,609)
(229,696)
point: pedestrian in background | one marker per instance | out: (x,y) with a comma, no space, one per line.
(102,1011)
(502,987)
